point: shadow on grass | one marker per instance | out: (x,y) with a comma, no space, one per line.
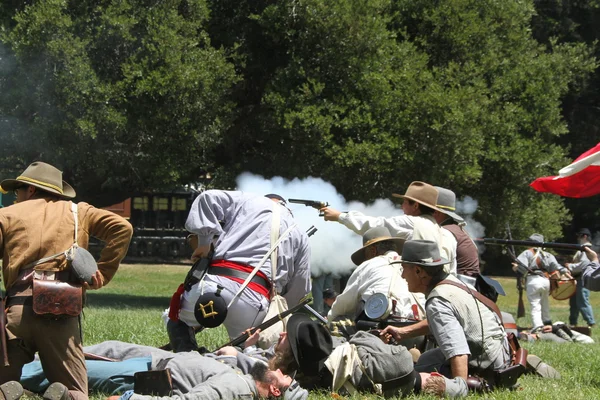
(102,300)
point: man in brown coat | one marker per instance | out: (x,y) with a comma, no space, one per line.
(34,234)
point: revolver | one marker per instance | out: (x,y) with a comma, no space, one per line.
(311,203)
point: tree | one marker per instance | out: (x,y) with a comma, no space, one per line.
(124,96)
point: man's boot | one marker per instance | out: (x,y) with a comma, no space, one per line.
(57,391)
(11,390)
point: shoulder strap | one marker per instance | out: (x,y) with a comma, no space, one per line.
(275,226)
(260,264)
(487,302)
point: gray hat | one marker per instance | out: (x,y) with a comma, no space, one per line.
(537,237)
(584,231)
(446,202)
(372,236)
(424,253)
(295,392)
(329,293)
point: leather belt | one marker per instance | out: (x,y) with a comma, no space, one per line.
(224,271)
(19,301)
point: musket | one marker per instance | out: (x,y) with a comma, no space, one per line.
(3,347)
(244,336)
(311,203)
(520,288)
(532,243)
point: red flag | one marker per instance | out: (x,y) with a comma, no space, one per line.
(578,179)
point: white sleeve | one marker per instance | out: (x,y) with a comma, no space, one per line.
(400,226)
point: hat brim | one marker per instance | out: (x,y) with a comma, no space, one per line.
(358,257)
(12,184)
(453,215)
(432,206)
(441,261)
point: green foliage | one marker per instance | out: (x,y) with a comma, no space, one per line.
(367,95)
(124,94)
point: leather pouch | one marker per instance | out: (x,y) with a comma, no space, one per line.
(153,383)
(56,299)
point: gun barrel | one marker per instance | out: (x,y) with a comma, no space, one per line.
(244,336)
(310,203)
(531,243)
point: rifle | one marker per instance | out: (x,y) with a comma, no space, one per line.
(3,346)
(520,276)
(244,336)
(531,243)
(311,203)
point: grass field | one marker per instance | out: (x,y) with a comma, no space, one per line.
(130,308)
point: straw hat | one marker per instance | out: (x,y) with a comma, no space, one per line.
(42,176)
(372,236)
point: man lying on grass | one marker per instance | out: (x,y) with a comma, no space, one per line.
(193,375)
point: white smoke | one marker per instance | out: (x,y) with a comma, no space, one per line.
(333,244)
(466,208)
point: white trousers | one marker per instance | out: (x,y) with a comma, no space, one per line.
(249,309)
(538,291)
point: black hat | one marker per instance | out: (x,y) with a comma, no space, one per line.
(275,196)
(310,341)
(329,293)
(584,231)
(422,252)
(210,309)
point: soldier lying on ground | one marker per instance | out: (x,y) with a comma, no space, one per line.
(193,375)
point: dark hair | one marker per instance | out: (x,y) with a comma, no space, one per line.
(385,246)
(423,208)
(285,361)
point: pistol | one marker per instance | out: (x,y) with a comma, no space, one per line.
(311,203)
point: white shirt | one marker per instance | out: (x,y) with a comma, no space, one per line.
(423,227)
(377,275)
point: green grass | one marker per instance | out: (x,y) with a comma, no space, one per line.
(130,309)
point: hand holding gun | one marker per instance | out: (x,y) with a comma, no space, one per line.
(311,203)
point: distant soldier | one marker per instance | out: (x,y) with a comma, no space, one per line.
(580,303)
(540,265)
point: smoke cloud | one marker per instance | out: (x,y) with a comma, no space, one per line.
(333,244)
(466,208)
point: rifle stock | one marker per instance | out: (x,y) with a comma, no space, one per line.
(3,348)
(244,336)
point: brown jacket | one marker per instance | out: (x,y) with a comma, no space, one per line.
(41,227)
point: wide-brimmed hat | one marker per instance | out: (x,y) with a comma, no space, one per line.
(446,202)
(311,343)
(372,236)
(422,193)
(584,231)
(537,237)
(424,253)
(43,176)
